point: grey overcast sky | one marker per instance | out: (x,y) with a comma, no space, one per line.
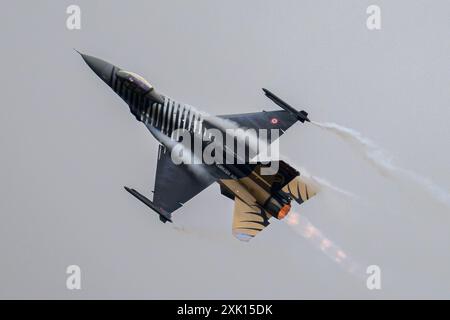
(69,144)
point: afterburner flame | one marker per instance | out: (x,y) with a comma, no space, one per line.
(307,230)
(284,211)
(292,219)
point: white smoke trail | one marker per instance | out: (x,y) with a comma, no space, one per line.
(379,159)
(302,226)
(320,183)
(199,232)
(323,183)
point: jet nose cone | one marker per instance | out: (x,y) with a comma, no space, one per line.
(101,68)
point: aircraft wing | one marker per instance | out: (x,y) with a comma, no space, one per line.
(177,184)
(174,185)
(248,220)
(279,119)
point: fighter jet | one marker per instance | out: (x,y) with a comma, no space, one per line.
(257,196)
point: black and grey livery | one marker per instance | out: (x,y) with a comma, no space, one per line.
(156,110)
(256,195)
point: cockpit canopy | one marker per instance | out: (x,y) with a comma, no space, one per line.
(135,80)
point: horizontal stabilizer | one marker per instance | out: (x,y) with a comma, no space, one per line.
(300,189)
(248,220)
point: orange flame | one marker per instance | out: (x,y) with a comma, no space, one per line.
(307,230)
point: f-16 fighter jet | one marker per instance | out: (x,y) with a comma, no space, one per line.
(259,193)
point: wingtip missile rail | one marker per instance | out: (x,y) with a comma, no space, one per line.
(302,116)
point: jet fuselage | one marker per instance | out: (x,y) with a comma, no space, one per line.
(165,117)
